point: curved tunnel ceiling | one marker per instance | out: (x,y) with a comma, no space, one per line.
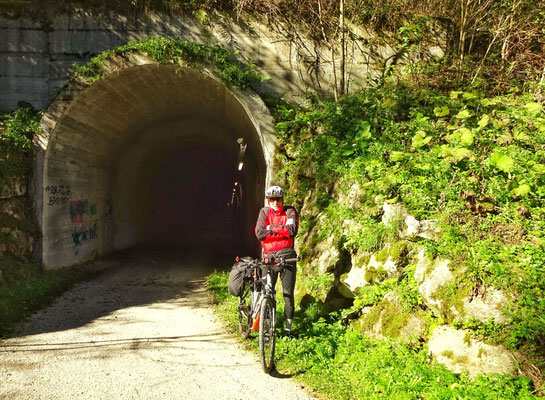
(150,154)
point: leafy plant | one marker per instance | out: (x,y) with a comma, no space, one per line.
(173,51)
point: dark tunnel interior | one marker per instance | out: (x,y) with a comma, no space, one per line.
(192,204)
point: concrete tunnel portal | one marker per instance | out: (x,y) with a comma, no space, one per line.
(155,155)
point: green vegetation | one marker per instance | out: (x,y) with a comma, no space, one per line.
(172,51)
(343,363)
(474,163)
(27,288)
(16,132)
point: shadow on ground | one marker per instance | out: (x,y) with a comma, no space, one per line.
(160,278)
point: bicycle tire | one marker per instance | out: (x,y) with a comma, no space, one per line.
(267,324)
(245,317)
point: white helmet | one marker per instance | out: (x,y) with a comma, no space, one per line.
(274,192)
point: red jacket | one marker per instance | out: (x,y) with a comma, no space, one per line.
(283,226)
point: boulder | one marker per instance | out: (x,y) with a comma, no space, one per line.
(16,242)
(460,353)
(13,186)
(14,207)
(328,255)
(410,226)
(488,305)
(367,270)
(388,320)
(432,276)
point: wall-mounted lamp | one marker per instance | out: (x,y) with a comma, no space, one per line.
(242,150)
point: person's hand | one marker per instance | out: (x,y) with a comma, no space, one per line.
(268,227)
(290,221)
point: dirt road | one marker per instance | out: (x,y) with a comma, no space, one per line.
(142,329)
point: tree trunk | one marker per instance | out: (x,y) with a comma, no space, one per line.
(343,52)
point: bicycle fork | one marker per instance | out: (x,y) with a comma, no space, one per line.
(256,306)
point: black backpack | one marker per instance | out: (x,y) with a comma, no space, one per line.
(238,272)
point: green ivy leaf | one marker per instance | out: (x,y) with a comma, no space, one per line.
(522,190)
(459,153)
(364,131)
(483,121)
(397,156)
(454,154)
(420,139)
(489,102)
(469,96)
(441,111)
(466,136)
(534,107)
(502,162)
(463,114)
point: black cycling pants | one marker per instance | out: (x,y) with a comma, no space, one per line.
(287,277)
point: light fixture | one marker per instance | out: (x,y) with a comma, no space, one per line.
(241,151)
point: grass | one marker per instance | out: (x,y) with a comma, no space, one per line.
(27,288)
(341,363)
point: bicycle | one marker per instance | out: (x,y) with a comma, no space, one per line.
(258,310)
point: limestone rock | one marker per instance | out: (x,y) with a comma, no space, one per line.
(18,242)
(366,270)
(435,279)
(355,279)
(423,265)
(352,197)
(460,353)
(411,227)
(328,255)
(389,320)
(13,207)
(13,186)
(339,297)
(489,305)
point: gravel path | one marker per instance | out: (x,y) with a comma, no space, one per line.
(142,329)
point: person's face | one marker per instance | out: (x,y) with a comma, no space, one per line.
(276,203)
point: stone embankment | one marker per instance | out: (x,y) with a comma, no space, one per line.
(17,230)
(435,280)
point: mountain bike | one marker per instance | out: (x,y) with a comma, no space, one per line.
(257,308)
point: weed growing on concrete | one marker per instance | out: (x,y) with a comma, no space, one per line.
(173,51)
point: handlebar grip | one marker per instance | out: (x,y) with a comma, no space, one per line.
(292,259)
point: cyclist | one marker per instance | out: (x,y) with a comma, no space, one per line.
(276,228)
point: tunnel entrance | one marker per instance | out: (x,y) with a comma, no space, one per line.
(151,156)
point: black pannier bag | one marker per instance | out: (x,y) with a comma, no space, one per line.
(236,276)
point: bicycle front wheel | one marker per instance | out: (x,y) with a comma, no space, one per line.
(266,333)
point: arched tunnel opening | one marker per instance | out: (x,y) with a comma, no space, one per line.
(152,156)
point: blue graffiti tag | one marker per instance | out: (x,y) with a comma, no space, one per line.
(83,235)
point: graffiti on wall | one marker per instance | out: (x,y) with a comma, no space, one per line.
(57,194)
(80,208)
(84,234)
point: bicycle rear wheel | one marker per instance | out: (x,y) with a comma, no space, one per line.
(245,317)
(267,324)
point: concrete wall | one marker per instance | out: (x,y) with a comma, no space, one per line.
(36,59)
(103,144)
